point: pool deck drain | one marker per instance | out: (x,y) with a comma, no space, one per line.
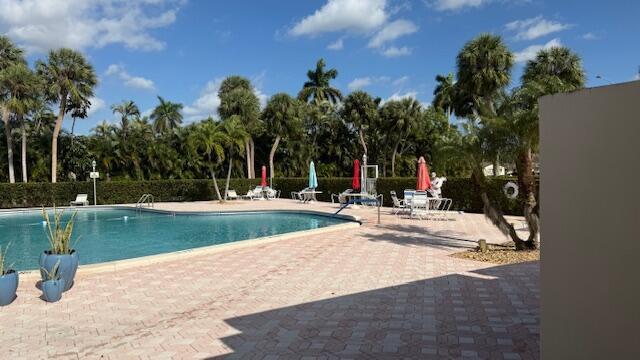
(374,291)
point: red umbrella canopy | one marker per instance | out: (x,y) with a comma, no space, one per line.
(424,182)
(264,176)
(355,184)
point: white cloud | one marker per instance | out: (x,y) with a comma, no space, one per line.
(590,36)
(533,28)
(395,51)
(444,5)
(206,105)
(530,52)
(135,82)
(96,104)
(359,83)
(359,16)
(208,102)
(40,25)
(400,81)
(399,96)
(392,31)
(336,45)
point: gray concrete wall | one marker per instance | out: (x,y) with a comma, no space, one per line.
(590,203)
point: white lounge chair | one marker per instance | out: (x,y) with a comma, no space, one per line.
(272,193)
(299,195)
(254,194)
(398,204)
(232,195)
(341,198)
(81,200)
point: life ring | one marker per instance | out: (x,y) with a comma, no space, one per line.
(510,190)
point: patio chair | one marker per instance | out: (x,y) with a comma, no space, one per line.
(398,204)
(253,194)
(419,204)
(299,195)
(272,193)
(232,195)
(341,198)
(81,200)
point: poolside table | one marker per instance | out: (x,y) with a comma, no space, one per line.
(308,196)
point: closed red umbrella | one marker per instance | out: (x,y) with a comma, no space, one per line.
(355,184)
(264,176)
(424,182)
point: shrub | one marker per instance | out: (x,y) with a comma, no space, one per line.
(463,191)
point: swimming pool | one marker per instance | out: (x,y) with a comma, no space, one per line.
(108,234)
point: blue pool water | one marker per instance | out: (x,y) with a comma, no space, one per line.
(116,234)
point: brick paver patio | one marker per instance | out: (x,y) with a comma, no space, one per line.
(376,292)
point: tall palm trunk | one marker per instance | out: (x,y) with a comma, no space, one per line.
(362,142)
(393,158)
(7,133)
(54,139)
(527,182)
(226,186)
(496,216)
(24,150)
(252,146)
(215,183)
(496,165)
(248,156)
(272,153)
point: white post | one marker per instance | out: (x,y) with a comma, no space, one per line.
(94,184)
(363,186)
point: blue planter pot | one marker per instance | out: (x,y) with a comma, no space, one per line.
(52,289)
(66,269)
(8,287)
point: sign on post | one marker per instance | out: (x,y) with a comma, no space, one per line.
(94,175)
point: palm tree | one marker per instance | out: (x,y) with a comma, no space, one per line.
(238,98)
(166,116)
(21,87)
(400,116)
(210,139)
(68,79)
(9,55)
(236,135)
(484,69)
(318,87)
(360,110)
(556,64)
(553,70)
(444,93)
(283,118)
(128,111)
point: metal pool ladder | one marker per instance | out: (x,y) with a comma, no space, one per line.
(145,199)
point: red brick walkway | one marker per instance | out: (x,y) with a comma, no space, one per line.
(388,291)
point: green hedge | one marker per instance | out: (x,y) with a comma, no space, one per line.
(463,192)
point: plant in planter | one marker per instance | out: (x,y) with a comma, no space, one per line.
(61,251)
(52,284)
(8,280)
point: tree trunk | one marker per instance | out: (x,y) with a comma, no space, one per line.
(252,147)
(272,153)
(527,184)
(24,150)
(54,139)
(248,156)
(7,132)
(496,165)
(215,183)
(362,142)
(495,215)
(393,159)
(226,186)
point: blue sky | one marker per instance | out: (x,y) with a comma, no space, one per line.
(181,49)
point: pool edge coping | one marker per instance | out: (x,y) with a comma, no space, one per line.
(116,265)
